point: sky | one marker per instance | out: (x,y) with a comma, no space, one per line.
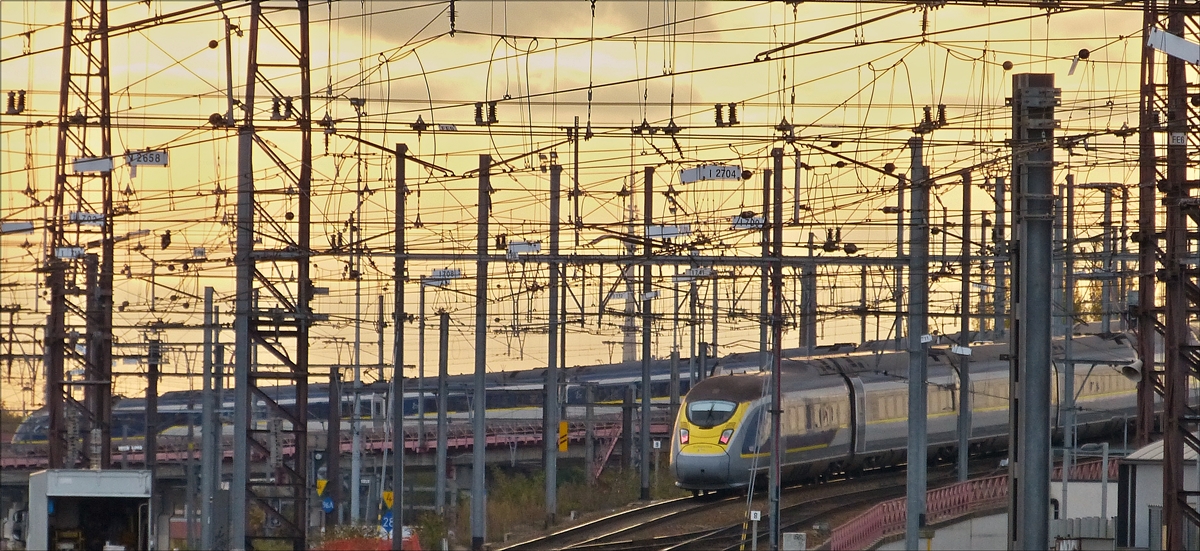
(855,85)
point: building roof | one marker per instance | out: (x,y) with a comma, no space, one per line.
(1153,453)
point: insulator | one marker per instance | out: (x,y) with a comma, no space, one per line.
(492,113)
(928,115)
(720,114)
(11,105)
(941,114)
(733,114)
(479,113)
(287,108)
(275,115)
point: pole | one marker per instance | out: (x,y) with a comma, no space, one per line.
(715,326)
(777,448)
(398,351)
(421,365)
(442,432)
(898,271)
(693,367)
(1033,99)
(1146,315)
(796,190)
(210,433)
(333,448)
(964,361)
(381,324)
(862,305)
(550,407)
(647,317)
(1104,485)
(189,507)
(1068,368)
(1106,284)
(479,457)
(764,321)
(918,304)
(575,191)
(589,424)
(150,448)
(999,261)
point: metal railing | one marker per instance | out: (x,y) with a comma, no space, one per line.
(942,504)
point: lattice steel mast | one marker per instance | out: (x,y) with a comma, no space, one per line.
(81,218)
(270,488)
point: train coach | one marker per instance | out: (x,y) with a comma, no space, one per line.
(849,412)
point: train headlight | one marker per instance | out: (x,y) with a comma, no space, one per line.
(725,436)
(683,436)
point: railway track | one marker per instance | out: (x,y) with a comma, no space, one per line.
(663,526)
(591,533)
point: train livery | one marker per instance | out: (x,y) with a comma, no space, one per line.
(849,412)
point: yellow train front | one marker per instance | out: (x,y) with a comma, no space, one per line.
(722,434)
(849,412)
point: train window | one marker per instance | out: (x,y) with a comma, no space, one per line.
(710,413)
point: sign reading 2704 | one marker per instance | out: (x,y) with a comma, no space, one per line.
(711,172)
(147,158)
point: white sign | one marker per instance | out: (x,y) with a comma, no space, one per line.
(793,541)
(668,231)
(88,218)
(446,273)
(16,227)
(68,253)
(658,444)
(147,158)
(92,164)
(1173,46)
(961,350)
(756,515)
(751,223)
(711,172)
(692,274)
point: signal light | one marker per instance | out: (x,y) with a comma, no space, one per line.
(725,436)
(683,436)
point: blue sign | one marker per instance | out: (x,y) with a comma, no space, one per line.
(327,504)
(386,521)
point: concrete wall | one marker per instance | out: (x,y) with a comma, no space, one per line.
(989,532)
(1083,498)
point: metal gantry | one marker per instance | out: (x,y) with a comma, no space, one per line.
(1176,271)
(271,488)
(78,336)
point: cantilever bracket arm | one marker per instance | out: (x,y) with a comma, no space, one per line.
(426,164)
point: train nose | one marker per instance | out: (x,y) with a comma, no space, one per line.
(702,467)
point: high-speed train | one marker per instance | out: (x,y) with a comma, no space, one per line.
(849,412)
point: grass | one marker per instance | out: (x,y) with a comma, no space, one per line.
(517,499)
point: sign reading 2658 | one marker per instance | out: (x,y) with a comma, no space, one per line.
(147,158)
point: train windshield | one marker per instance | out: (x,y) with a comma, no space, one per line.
(710,413)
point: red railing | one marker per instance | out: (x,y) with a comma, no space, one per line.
(941,504)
